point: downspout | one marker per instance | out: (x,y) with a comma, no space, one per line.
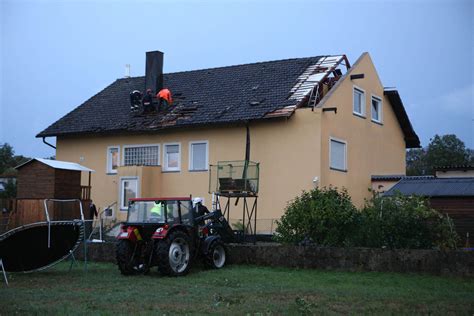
(44,141)
(247,155)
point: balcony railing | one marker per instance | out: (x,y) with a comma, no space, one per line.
(85,192)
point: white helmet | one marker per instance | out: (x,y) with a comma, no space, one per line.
(197,200)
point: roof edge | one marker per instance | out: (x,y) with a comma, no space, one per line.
(411,138)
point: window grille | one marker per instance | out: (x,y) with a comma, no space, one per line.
(142,156)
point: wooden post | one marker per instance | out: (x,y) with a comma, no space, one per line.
(89,194)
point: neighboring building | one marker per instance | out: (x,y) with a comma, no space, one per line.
(41,179)
(452,196)
(382,184)
(310,124)
(455,172)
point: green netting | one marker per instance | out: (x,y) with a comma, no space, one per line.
(238,176)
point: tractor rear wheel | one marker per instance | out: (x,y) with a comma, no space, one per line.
(174,254)
(126,257)
(216,256)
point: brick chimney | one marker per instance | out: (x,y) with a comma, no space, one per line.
(154,71)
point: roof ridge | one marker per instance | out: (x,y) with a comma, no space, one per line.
(236,65)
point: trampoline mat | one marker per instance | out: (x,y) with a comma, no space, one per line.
(25,249)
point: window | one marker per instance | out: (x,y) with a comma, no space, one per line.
(141,155)
(376,109)
(172,157)
(113,153)
(359,102)
(198,155)
(128,190)
(337,154)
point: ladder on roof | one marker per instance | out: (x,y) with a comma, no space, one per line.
(308,83)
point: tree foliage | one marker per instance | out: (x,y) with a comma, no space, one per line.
(8,159)
(9,190)
(446,150)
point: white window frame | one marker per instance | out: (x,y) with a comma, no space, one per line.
(141,145)
(191,167)
(338,140)
(165,158)
(121,198)
(379,99)
(109,169)
(363,105)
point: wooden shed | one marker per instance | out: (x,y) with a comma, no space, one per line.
(452,196)
(39,179)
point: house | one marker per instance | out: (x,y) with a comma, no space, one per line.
(465,171)
(315,121)
(453,196)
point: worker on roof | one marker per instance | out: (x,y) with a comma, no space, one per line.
(147,101)
(135,98)
(165,98)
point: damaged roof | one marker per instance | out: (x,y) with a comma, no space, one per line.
(233,94)
(201,97)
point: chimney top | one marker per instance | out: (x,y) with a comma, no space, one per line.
(127,70)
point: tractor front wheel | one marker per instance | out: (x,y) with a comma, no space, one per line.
(216,256)
(126,257)
(174,254)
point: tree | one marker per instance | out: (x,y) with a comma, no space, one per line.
(415,162)
(9,190)
(446,150)
(7,159)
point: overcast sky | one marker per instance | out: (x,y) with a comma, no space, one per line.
(57,54)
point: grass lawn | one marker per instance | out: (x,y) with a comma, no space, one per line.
(243,290)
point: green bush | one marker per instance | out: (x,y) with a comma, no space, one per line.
(327,217)
(404,222)
(324,216)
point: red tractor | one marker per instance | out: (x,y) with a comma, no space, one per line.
(165,232)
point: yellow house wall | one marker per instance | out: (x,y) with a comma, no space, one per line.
(372,149)
(287,150)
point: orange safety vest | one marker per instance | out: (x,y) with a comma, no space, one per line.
(165,94)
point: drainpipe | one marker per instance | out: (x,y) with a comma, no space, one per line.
(44,141)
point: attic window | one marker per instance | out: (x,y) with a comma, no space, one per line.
(359,101)
(376,109)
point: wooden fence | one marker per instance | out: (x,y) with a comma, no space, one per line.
(26,211)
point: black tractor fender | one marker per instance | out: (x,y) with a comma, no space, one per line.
(206,244)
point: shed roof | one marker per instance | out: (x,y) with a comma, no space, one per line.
(56,164)
(434,187)
(397,177)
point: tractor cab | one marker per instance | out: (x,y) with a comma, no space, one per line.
(160,210)
(149,214)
